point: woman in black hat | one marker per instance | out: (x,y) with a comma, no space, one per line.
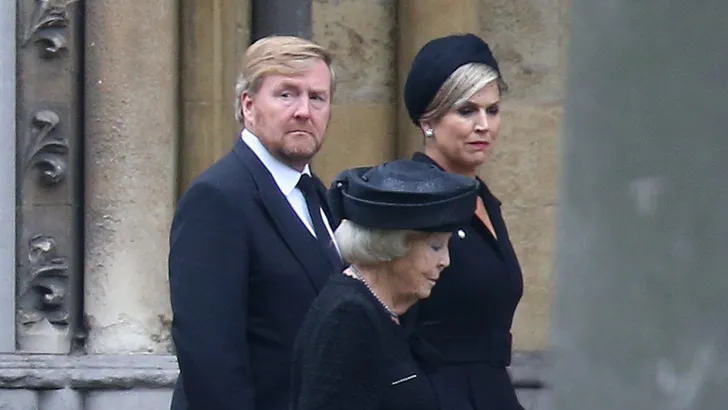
(452,94)
(351,352)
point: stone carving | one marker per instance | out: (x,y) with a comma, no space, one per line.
(48,293)
(46,22)
(44,295)
(46,150)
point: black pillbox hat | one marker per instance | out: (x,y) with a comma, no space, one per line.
(435,62)
(404,195)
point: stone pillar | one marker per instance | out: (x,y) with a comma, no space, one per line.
(7,181)
(282,17)
(419,21)
(640,297)
(363,125)
(131,127)
(214,34)
(49,155)
(529,39)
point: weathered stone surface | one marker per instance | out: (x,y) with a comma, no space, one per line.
(7,181)
(528,370)
(138,399)
(359,134)
(529,39)
(131,128)
(362,37)
(87,372)
(523,173)
(18,400)
(524,168)
(215,34)
(58,382)
(49,169)
(363,127)
(61,399)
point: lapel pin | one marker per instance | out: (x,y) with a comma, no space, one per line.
(461,234)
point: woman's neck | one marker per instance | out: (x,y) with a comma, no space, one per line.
(448,166)
(378,279)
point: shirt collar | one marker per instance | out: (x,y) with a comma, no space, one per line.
(286,177)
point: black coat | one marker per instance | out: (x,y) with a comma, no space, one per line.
(243,271)
(469,314)
(351,355)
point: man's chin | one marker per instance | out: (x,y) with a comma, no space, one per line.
(300,155)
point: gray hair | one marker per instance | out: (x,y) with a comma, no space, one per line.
(462,84)
(366,246)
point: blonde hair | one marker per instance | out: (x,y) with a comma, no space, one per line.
(459,87)
(284,55)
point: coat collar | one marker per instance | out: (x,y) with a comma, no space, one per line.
(293,232)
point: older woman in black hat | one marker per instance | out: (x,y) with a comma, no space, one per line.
(453,94)
(351,352)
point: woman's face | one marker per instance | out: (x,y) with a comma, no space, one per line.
(418,272)
(464,137)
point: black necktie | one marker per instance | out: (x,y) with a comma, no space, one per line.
(306,185)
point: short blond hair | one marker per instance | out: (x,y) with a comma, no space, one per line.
(283,55)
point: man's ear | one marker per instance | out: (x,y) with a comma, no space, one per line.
(246,104)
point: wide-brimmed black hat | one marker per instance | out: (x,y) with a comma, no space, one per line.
(436,61)
(404,195)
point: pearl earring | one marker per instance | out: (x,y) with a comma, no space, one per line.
(429,133)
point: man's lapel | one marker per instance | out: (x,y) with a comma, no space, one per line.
(284,219)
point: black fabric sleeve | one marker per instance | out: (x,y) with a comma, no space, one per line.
(208,276)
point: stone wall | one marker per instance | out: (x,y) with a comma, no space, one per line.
(363,123)
(7,175)
(530,38)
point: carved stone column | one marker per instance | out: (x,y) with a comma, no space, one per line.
(7,176)
(131,104)
(49,142)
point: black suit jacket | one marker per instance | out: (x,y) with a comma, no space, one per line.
(243,271)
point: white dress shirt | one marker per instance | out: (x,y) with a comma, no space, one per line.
(287,180)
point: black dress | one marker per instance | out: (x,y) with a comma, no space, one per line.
(469,314)
(349,354)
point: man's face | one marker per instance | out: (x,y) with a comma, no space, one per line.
(290,113)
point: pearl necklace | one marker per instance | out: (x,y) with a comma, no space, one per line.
(360,277)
